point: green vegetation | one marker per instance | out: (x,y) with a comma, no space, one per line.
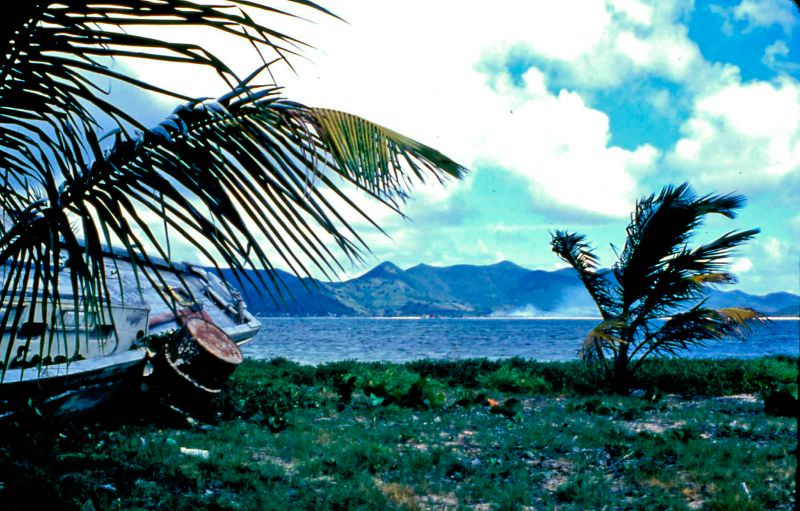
(473,434)
(658,275)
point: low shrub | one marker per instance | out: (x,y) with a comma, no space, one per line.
(264,392)
(272,388)
(781,400)
(572,377)
(691,377)
(465,373)
(508,378)
(764,373)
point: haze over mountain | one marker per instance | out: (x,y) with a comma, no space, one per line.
(502,289)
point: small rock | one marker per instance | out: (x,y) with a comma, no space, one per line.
(198,453)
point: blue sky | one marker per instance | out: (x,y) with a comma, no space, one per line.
(565,112)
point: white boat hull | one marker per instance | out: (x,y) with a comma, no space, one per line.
(85,363)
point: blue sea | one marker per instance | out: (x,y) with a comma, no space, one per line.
(319,340)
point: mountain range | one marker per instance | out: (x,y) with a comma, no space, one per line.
(502,289)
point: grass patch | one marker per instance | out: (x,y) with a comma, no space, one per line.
(425,435)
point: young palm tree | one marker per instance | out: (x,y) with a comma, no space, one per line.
(249,179)
(654,303)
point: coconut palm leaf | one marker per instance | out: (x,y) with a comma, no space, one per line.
(661,226)
(572,248)
(687,274)
(603,337)
(58,62)
(234,177)
(375,157)
(695,327)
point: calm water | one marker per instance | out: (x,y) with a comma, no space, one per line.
(316,340)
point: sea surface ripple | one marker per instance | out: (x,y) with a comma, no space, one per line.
(320,340)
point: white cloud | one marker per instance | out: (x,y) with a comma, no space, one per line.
(775,57)
(560,146)
(775,249)
(742,136)
(397,69)
(556,31)
(766,13)
(628,39)
(742,265)
(634,10)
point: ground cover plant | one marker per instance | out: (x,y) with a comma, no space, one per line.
(426,435)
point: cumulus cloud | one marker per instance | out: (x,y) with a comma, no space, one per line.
(627,40)
(407,76)
(775,249)
(775,58)
(744,135)
(742,265)
(770,271)
(560,145)
(766,13)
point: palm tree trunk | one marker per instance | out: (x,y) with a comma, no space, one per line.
(621,380)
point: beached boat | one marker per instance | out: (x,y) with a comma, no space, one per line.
(77,360)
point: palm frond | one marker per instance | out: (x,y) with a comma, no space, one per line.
(57,51)
(739,319)
(376,158)
(714,256)
(725,205)
(695,327)
(654,255)
(714,278)
(685,275)
(59,60)
(572,248)
(658,225)
(604,336)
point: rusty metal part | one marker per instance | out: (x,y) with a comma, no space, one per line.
(205,356)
